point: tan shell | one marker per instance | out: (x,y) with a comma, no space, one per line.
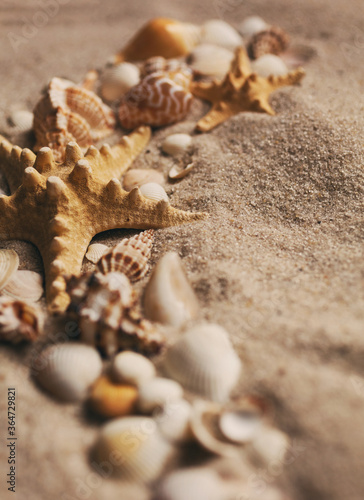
(9,263)
(137,177)
(178,172)
(211,60)
(117,80)
(270,41)
(21,121)
(176,144)
(153,191)
(157,392)
(95,252)
(251,25)
(19,321)
(25,285)
(218,32)
(131,368)
(269,64)
(111,399)
(130,256)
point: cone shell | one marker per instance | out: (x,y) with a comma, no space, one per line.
(111,399)
(95,252)
(161,37)
(157,392)
(25,285)
(142,453)
(218,32)
(204,361)
(68,370)
(168,297)
(131,368)
(130,256)
(271,41)
(21,121)
(211,60)
(153,191)
(176,144)
(137,177)
(19,321)
(117,80)
(9,263)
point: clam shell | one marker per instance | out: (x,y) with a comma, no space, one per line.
(157,392)
(68,370)
(176,144)
(19,321)
(269,64)
(21,121)
(137,177)
(95,252)
(132,368)
(204,361)
(269,446)
(174,421)
(25,285)
(168,297)
(211,60)
(153,191)
(240,426)
(251,25)
(117,80)
(178,172)
(141,453)
(111,399)
(218,32)
(9,263)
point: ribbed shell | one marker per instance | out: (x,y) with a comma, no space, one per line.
(25,285)
(271,41)
(19,321)
(9,263)
(137,177)
(130,256)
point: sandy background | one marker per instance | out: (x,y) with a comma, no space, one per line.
(279,262)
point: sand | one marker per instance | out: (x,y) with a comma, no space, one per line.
(279,262)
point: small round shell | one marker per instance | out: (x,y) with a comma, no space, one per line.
(240,426)
(176,144)
(252,25)
(9,263)
(204,361)
(67,371)
(269,64)
(269,445)
(153,191)
(111,399)
(95,252)
(21,121)
(19,321)
(157,392)
(271,41)
(25,285)
(218,32)
(178,172)
(174,421)
(211,60)
(132,368)
(117,80)
(137,177)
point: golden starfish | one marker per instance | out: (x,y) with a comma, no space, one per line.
(240,90)
(61,207)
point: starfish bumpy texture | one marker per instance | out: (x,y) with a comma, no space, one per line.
(240,90)
(60,207)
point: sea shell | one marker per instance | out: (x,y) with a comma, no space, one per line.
(160,64)
(105,308)
(95,251)
(70,113)
(9,263)
(111,399)
(252,25)
(271,41)
(159,99)
(157,392)
(211,60)
(269,64)
(176,144)
(204,361)
(174,421)
(19,321)
(117,80)
(240,426)
(137,177)
(168,297)
(67,370)
(130,256)
(153,191)
(218,32)
(178,172)
(269,446)
(25,285)
(131,368)
(161,37)
(140,452)
(21,121)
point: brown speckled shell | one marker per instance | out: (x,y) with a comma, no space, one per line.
(19,321)
(271,41)
(157,64)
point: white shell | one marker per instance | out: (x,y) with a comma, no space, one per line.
(269,446)
(252,25)
(132,368)
(218,32)
(68,370)
(153,191)
(137,177)
(178,172)
(174,421)
(157,392)
(269,64)
(211,60)
(204,361)
(118,79)
(176,144)
(9,263)
(239,426)
(21,121)
(25,285)
(168,297)
(141,452)
(95,252)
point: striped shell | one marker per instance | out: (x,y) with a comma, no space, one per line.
(137,177)
(25,285)
(70,113)
(130,256)
(95,252)
(159,99)
(19,321)
(9,263)
(160,64)
(271,41)
(153,191)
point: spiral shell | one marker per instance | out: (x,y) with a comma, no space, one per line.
(19,321)
(271,41)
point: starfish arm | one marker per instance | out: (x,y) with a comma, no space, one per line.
(218,114)
(240,66)
(209,91)
(8,219)
(290,78)
(13,162)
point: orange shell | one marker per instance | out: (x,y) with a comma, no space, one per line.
(112,400)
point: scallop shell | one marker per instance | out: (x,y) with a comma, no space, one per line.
(252,25)
(269,446)
(218,32)
(25,285)
(168,297)
(157,392)
(111,399)
(137,177)
(159,99)
(153,191)
(204,361)
(141,453)
(117,80)
(174,421)
(178,172)
(211,60)
(161,37)
(95,252)
(68,370)
(130,256)
(9,263)
(70,113)
(19,321)
(21,121)
(269,64)
(132,368)
(176,144)
(271,41)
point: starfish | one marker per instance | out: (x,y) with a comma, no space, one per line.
(240,90)
(60,207)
